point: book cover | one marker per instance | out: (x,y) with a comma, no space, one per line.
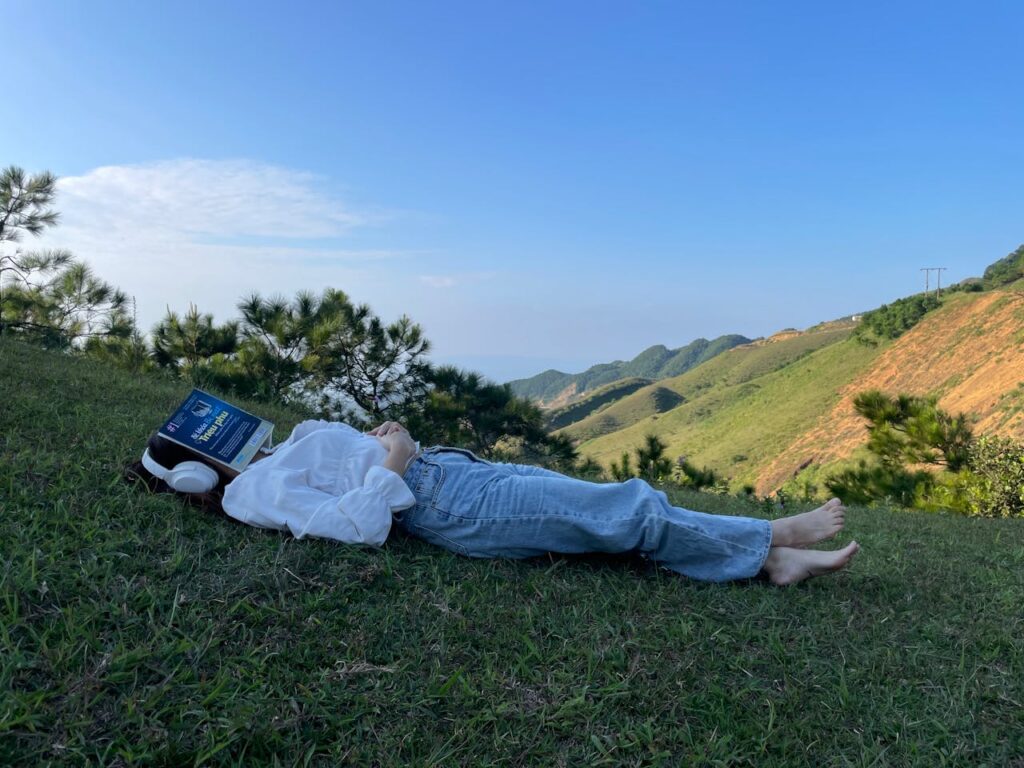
(217,430)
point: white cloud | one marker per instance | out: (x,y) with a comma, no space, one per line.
(210,232)
(224,198)
(438,281)
(452,280)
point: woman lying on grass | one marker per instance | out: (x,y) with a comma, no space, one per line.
(331,481)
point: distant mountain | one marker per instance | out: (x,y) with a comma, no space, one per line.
(594,401)
(553,389)
(738,370)
(765,413)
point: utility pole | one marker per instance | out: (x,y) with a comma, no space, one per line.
(938,278)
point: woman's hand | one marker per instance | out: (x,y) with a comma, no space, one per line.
(398,441)
(401,447)
(387,428)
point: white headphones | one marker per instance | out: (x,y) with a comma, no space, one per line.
(186,477)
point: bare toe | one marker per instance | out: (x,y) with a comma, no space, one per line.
(809,527)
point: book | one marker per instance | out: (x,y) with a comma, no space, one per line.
(217,430)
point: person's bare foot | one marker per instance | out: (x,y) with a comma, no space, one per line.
(785,565)
(809,527)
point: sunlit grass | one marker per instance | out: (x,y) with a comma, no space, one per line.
(134,630)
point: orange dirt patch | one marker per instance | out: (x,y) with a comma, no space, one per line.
(564,397)
(970,353)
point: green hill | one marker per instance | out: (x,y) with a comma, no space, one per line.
(553,388)
(738,426)
(729,370)
(1006,271)
(136,631)
(593,402)
(764,412)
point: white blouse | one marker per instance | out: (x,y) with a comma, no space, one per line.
(325,480)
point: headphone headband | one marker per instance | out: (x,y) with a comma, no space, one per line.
(186,477)
(151,465)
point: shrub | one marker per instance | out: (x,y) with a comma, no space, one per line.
(688,476)
(624,470)
(996,487)
(944,492)
(651,462)
(891,321)
(983,476)
(867,483)
(1007,270)
(588,469)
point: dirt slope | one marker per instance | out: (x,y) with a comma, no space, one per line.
(970,353)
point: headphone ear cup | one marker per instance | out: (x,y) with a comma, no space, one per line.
(192,477)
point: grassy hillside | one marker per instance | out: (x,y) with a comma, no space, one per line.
(136,631)
(738,428)
(969,352)
(593,401)
(728,371)
(763,412)
(554,389)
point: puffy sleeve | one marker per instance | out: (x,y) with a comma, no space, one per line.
(283,499)
(315,425)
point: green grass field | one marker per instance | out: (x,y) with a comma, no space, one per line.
(753,418)
(721,377)
(136,631)
(594,401)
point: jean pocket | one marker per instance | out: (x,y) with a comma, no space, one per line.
(429,482)
(442,491)
(463,451)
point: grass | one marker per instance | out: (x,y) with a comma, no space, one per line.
(757,418)
(136,631)
(729,371)
(774,403)
(656,362)
(594,401)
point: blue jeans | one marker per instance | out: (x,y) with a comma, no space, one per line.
(483,509)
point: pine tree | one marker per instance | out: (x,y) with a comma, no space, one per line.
(906,429)
(652,464)
(24,203)
(47,296)
(461,408)
(284,342)
(381,368)
(623,469)
(904,433)
(195,348)
(59,302)
(24,208)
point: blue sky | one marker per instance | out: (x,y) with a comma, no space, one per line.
(537,184)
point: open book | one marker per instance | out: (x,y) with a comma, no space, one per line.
(217,430)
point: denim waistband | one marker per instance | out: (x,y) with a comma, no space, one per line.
(419,464)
